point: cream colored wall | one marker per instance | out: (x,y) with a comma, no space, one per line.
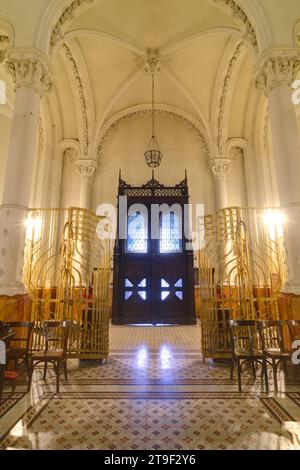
(124,149)
(5,125)
(236,184)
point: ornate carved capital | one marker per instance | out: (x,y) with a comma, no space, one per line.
(220,167)
(29,68)
(86,168)
(277,67)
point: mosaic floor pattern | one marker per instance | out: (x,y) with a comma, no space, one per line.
(156,393)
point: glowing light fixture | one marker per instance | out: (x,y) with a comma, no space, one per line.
(33,228)
(274,220)
(153,155)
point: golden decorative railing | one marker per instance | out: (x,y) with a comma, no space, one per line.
(241,271)
(67,272)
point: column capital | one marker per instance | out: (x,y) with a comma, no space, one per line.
(85,168)
(277,66)
(220,167)
(29,67)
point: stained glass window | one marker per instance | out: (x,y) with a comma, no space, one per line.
(137,237)
(170,233)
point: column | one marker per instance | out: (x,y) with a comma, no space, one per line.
(220,168)
(86,170)
(276,70)
(29,69)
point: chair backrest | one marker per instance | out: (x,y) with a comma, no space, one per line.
(56,334)
(242,335)
(294,329)
(23,333)
(271,334)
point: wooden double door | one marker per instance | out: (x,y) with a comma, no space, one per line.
(153,275)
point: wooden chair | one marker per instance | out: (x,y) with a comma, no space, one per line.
(6,376)
(20,354)
(271,335)
(56,335)
(243,339)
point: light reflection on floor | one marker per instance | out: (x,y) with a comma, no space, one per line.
(154,393)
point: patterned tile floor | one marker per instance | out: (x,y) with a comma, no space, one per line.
(155,392)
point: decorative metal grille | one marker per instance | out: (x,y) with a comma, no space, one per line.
(68,277)
(241,271)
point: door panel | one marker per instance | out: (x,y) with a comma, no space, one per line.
(153,279)
(136,290)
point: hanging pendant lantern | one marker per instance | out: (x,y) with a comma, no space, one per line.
(153,155)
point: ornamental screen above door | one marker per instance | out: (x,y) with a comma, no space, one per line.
(153,269)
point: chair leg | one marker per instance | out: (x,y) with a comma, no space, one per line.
(31,367)
(231,369)
(265,372)
(57,376)
(253,369)
(274,365)
(45,371)
(65,369)
(285,368)
(239,375)
(27,365)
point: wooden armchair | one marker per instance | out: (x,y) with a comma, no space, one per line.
(244,349)
(20,344)
(56,334)
(271,334)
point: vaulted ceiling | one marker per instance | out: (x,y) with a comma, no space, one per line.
(199,50)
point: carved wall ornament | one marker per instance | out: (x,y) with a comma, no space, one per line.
(4,40)
(220,167)
(152,61)
(278,70)
(29,68)
(85,168)
(82,99)
(222,104)
(146,113)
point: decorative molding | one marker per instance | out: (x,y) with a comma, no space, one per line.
(238,14)
(29,68)
(71,153)
(230,6)
(236,153)
(277,67)
(85,168)
(220,167)
(80,90)
(222,105)
(147,112)
(152,61)
(266,131)
(67,15)
(41,134)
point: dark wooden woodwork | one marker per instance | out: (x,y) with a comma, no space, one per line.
(153,266)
